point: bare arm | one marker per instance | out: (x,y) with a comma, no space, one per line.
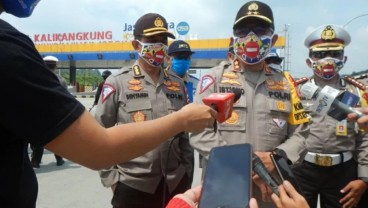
(91,145)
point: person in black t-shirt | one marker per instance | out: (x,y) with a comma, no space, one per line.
(40,111)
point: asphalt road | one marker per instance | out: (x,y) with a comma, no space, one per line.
(74,186)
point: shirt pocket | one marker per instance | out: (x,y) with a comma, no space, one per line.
(238,117)
(137,111)
(279,112)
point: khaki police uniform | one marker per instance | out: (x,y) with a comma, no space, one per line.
(337,151)
(333,149)
(131,96)
(260,117)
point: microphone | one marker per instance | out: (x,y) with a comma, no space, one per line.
(327,101)
(222,103)
(261,170)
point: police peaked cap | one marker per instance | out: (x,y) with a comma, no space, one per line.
(254,9)
(151,24)
(327,37)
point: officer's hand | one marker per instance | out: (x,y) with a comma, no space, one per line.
(353,192)
(265,190)
(196,117)
(289,197)
(266,159)
(363,121)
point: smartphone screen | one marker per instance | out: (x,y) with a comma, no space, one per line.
(284,171)
(227,180)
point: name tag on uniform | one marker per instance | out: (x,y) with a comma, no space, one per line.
(341,128)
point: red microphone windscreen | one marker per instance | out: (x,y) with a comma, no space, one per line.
(223,102)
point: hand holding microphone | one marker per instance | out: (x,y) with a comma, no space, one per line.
(223,104)
(327,102)
(262,172)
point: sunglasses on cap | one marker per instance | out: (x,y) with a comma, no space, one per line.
(181,56)
(324,54)
(258,30)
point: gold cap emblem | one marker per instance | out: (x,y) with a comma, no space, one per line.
(253,9)
(158,22)
(328,33)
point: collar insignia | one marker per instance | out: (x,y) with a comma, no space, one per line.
(236,65)
(137,71)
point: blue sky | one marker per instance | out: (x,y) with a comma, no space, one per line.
(208,19)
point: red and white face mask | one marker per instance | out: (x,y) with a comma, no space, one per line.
(326,68)
(153,53)
(252,49)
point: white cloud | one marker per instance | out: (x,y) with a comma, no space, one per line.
(208,19)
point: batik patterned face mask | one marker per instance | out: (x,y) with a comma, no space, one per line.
(252,49)
(326,68)
(153,53)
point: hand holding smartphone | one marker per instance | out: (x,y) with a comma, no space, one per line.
(227,181)
(284,171)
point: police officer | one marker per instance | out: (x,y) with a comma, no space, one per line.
(104,75)
(274,60)
(37,152)
(269,111)
(336,165)
(139,93)
(179,60)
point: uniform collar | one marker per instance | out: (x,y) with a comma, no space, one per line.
(143,74)
(337,83)
(185,78)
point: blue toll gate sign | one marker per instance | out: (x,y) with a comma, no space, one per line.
(182,28)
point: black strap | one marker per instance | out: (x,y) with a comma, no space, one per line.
(341,157)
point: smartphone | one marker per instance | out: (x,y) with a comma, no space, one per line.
(227,180)
(284,171)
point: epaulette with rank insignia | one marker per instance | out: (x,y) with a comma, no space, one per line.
(301,80)
(123,70)
(356,83)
